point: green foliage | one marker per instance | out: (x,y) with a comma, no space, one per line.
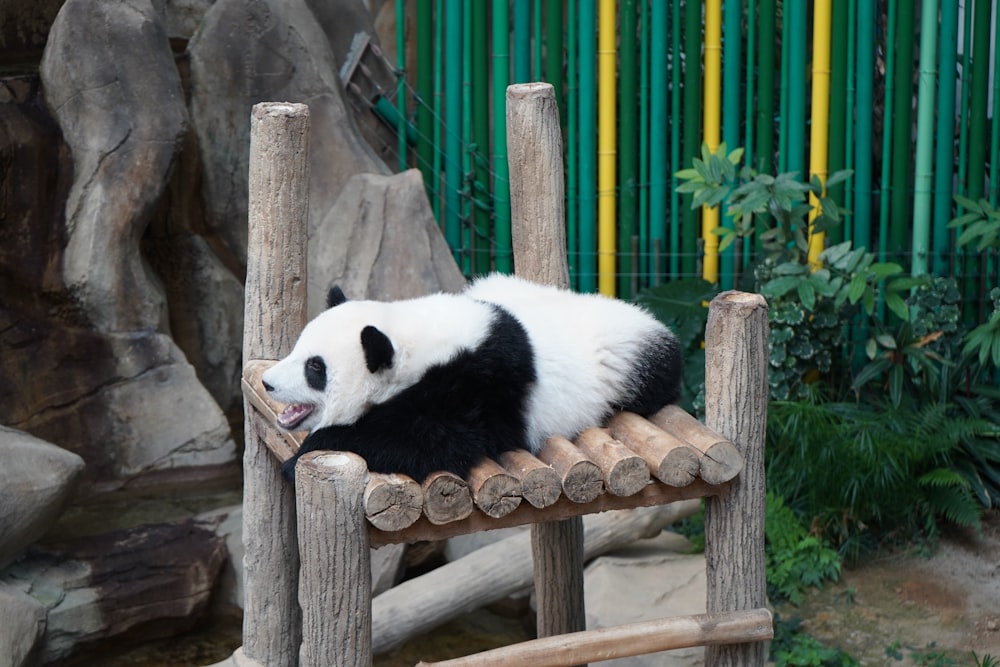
(982,223)
(986,661)
(861,471)
(795,559)
(791,647)
(984,340)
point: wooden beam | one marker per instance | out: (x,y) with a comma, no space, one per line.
(625,640)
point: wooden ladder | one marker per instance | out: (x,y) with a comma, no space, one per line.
(307,571)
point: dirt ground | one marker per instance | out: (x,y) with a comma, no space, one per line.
(914,609)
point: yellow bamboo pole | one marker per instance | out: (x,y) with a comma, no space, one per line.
(820,124)
(711,123)
(606,147)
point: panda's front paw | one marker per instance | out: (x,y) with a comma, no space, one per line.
(288,468)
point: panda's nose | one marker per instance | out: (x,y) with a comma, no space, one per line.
(267,387)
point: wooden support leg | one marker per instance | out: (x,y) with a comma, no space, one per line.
(736,389)
(273,316)
(335,578)
(557,551)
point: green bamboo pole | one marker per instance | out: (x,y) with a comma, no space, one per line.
(977,141)
(751,75)
(627,138)
(659,178)
(588,135)
(890,72)
(425,92)
(522,40)
(837,146)
(798,57)
(899,222)
(977,106)
(676,95)
(963,106)
(692,131)
(863,135)
(401,124)
(480,148)
(994,193)
(924,166)
(438,158)
(944,161)
(453,126)
(644,138)
(503,256)
(849,127)
(786,44)
(468,232)
(765,89)
(554,53)
(538,40)
(572,143)
(732,43)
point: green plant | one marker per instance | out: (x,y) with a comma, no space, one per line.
(795,560)
(982,223)
(791,647)
(986,661)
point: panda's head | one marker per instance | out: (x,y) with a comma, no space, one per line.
(341,365)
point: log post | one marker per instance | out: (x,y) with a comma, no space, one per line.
(335,584)
(736,391)
(275,312)
(538,235)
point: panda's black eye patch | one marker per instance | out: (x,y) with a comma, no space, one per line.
(316,373)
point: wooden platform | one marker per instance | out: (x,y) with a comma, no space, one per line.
(631,462)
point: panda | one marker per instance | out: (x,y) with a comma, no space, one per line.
(442,381)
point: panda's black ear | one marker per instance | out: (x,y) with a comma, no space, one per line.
(378,349)
(335,297)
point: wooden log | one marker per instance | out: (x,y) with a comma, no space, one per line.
(538,232)
(335,580)
(447,498)
(623,641)
(540,484)
(420,604)
(625,473)
(582,479)
(392,502)
(721,461)
(655,493)
(670,460)
(495,491)
(274,314)
(736,344)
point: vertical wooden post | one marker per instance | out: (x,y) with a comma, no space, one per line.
(274,314)
(335,584)
(538,233)
(736,391)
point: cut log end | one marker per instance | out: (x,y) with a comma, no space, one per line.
(393,502)
(446,498)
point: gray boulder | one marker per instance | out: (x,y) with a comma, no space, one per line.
(22,625)
(111,84)
(36,480)
(652,579)
(381,241)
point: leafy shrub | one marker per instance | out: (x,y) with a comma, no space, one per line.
(795,559)
(793,648)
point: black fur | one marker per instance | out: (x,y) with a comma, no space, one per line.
(315,372)
(658,377)
(335,297)
(378,349)
(472,406)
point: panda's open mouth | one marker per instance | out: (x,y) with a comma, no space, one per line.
(294,415)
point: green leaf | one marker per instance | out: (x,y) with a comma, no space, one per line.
(736,155)
(965,219)
(896,385)
(807,294)
(897,306)
(687,174)
(857,288)
(880,270)
(886,341)
(778,287)
(966,203)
